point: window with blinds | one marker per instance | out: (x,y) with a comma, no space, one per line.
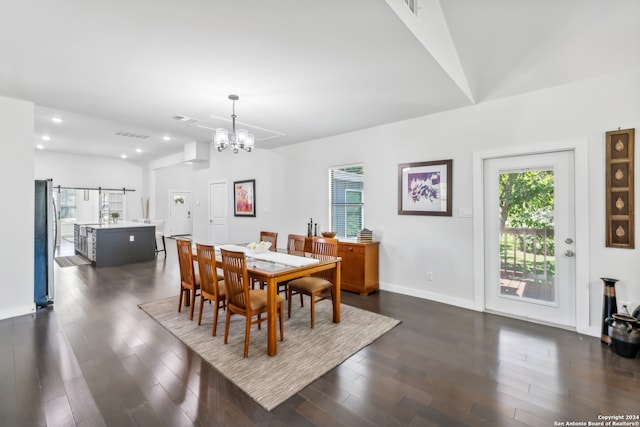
(346,194)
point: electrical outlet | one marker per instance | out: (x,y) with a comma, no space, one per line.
(429,275)
(131,238)
(465,213)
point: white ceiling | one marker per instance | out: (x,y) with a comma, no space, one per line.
(304,70)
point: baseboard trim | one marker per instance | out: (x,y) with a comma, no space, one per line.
(593,331)
(432,296)
(17,311)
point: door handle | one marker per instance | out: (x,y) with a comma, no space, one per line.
(569,253)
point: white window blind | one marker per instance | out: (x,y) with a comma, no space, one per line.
(346,194)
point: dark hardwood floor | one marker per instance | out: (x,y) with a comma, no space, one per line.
(95,359)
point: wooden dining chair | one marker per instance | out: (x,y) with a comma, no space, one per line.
(189,280)
(295,246)
(242,300)
(268,236)
(295,243)
(318,286)
(271,237)
(211,288)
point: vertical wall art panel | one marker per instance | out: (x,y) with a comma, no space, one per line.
(619,175)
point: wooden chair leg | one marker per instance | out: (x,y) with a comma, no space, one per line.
(215,319)
(289,301)
(180,299)
(313,311)
(247,335)
(226,326)
(193,302)
(200,311)
(281,309)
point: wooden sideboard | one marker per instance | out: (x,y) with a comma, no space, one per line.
(359,265)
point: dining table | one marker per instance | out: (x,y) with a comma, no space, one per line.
(275,267)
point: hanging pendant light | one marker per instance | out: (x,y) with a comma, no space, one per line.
(239,139)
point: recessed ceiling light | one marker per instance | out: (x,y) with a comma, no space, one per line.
(46,137)
(166,138)
(56,119)
(138,150)
(124,156)
(40,147)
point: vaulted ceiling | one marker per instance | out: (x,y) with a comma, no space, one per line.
(119,72)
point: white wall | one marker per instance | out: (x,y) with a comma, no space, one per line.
(268,169)
(292,182)
(72,170)
(413,245)
(16,226)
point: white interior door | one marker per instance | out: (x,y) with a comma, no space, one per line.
(219,212)
(179,213)
(529,237)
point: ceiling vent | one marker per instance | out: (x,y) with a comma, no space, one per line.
(132,135)
(185,119)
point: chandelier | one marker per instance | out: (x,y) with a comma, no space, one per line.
(239,139)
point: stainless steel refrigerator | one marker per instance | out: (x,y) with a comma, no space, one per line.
(44,244)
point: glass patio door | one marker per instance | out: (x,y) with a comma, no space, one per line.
(529,237)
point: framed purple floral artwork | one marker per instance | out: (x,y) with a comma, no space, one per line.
(424,188)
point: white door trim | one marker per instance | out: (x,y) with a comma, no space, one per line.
(581,159)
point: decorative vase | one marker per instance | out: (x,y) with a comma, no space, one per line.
(609,307)
(625,334)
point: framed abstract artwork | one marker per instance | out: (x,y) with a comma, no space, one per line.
(620,189)
(424,188)
(244,198)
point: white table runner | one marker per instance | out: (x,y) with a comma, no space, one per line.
(280,258)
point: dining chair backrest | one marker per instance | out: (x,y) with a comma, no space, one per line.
(323,248)
(185,259)
(236,278)
(207,269)
(268,236)
(295,243)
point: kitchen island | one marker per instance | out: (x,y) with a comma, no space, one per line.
(108,245)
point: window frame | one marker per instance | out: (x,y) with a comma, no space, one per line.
(341,227)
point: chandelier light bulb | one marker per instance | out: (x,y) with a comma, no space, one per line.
(222,139)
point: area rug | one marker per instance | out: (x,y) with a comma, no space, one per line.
(305,354)
(70,261)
